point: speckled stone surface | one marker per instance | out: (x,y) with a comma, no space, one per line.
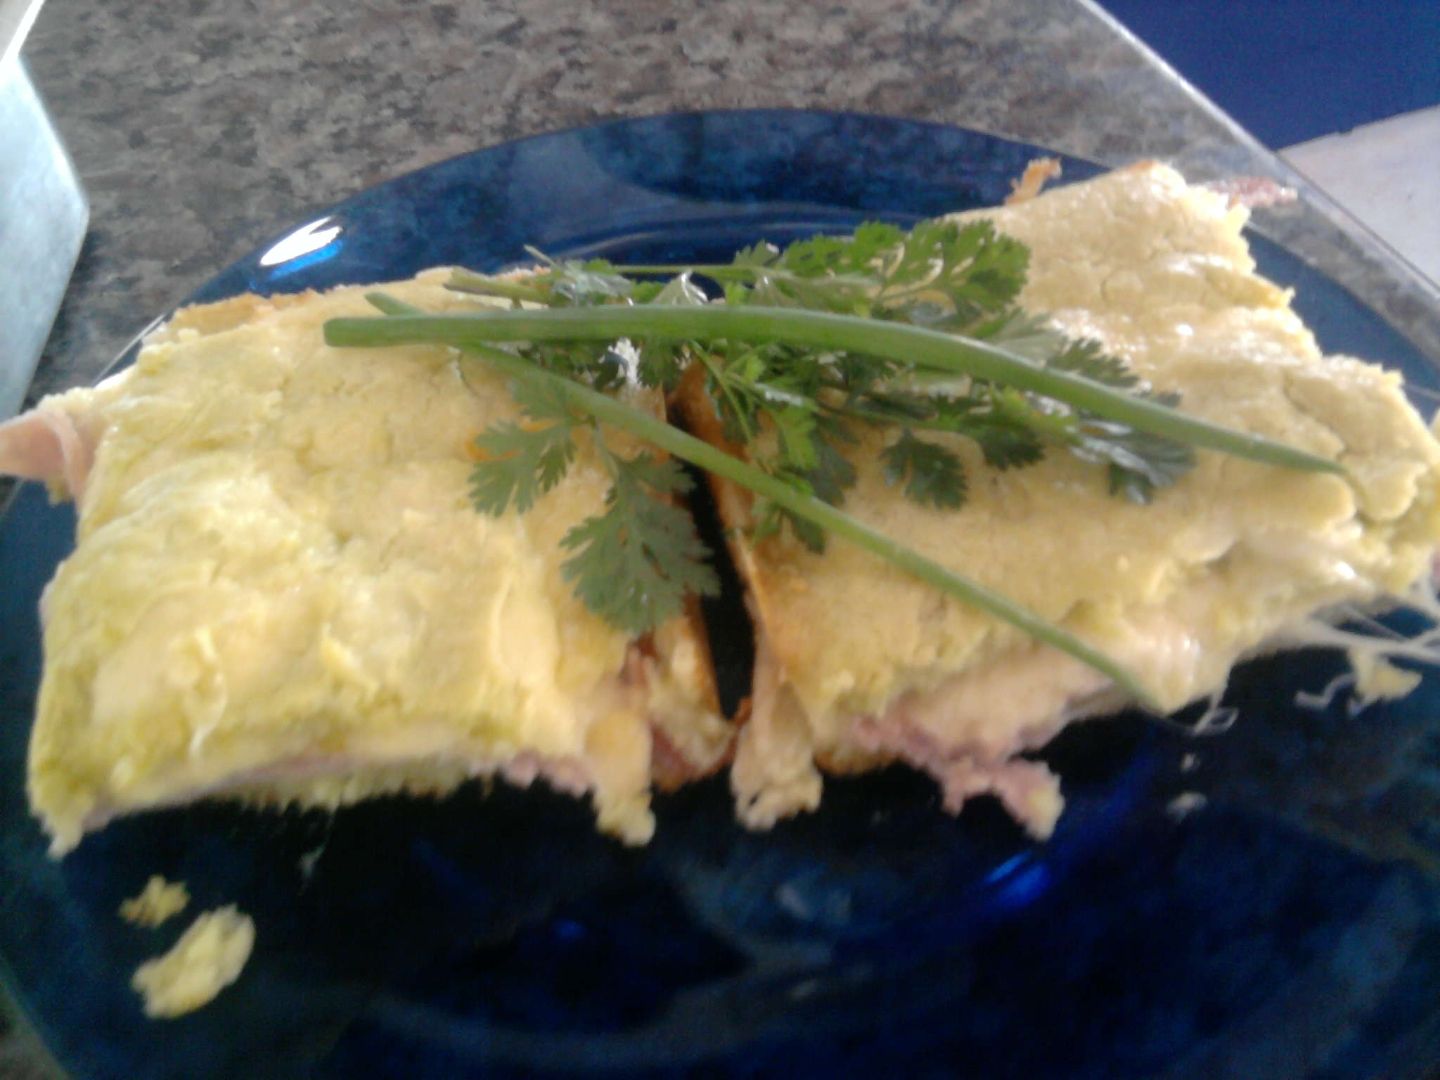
(200,127)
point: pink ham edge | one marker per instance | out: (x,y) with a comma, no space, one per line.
(46,445)
(564,774)
(55,441)
(1022,786)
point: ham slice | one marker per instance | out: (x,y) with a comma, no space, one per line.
(55,442)
(46,445)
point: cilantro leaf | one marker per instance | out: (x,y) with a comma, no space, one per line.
(842,256)
(795,427)
(951,275)
(1087,357)
(858,374)
(634,564)
(818,256)
(1141,462)
(832,474)
(1137,462)
(680,291)
(519,464)
(733,374)
(1006,445)
(578,359)
(762,253)
(540,401)
(1030,335)
(662,361)
(770,518)
(804,530)
(661,364)
(575,283)
(933,475)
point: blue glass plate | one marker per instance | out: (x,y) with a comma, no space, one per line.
(1288,927)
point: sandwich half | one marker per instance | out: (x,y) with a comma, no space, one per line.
(859,665)
(280,591)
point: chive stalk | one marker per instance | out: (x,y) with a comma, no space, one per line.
(915,345)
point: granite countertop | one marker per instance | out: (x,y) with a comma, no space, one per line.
(200,128)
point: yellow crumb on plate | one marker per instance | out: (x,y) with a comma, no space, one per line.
(158,901)
(208,957)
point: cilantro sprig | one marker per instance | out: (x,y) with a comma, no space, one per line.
(522,461)
(634,564)
(916,335)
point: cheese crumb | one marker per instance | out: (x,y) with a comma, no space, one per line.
(1185,804)
(1376,679)
(207,958)
(158,901)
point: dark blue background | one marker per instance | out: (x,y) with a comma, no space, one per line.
(1292,70)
